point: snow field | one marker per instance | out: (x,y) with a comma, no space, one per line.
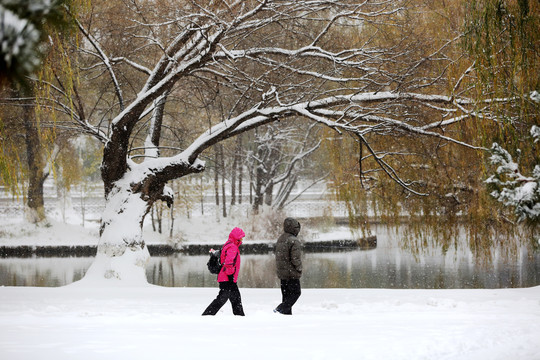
(86,322)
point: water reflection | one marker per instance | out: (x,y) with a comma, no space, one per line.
(42,271)
(387,266)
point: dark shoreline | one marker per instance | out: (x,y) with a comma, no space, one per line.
(26,251)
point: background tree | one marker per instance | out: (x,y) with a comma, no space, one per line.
(25,28)
(503,39)
(280,154)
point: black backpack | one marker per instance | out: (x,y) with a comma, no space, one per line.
(214,263)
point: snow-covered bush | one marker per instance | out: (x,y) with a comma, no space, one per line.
(21,32)
(512,188)
(18,40)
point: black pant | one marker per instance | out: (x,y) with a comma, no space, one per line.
(227,291)
(290,292)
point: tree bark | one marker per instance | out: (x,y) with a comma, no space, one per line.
(223,189)
(216,176)
(35,204)
(233,179)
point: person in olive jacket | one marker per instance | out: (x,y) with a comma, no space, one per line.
(289,265)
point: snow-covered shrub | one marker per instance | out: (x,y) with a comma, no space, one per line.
(512,188)
(21,33)
(18,42)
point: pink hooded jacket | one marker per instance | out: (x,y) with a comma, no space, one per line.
(230,256)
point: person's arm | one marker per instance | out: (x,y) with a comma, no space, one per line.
(229,262)
(296,255)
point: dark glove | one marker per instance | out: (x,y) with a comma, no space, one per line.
(231,278)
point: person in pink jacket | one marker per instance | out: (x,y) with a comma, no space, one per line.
(227,277)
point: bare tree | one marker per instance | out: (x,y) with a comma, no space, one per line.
(347,65)
(278,160)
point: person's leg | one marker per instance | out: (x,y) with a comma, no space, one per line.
(283,290)
(291,293)
(236,300)
(279,308)
(219,301)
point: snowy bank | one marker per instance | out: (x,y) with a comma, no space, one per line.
(76,322)
(199,230)
(194,236)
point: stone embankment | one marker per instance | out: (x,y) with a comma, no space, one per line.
(188,249)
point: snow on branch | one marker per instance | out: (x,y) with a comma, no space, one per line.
(133,64)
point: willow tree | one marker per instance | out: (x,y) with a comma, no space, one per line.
(448,174)
(503,39)
(26,28)
(144,55)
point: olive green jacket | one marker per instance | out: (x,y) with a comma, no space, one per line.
(289,251)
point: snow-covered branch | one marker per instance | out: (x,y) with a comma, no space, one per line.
(320,111)
(133,64)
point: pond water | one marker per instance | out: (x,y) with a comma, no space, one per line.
(387,266)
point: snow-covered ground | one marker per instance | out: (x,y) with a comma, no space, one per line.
(86,322)
(90,320)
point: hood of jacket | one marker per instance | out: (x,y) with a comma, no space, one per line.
(235,235)
(291,226)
